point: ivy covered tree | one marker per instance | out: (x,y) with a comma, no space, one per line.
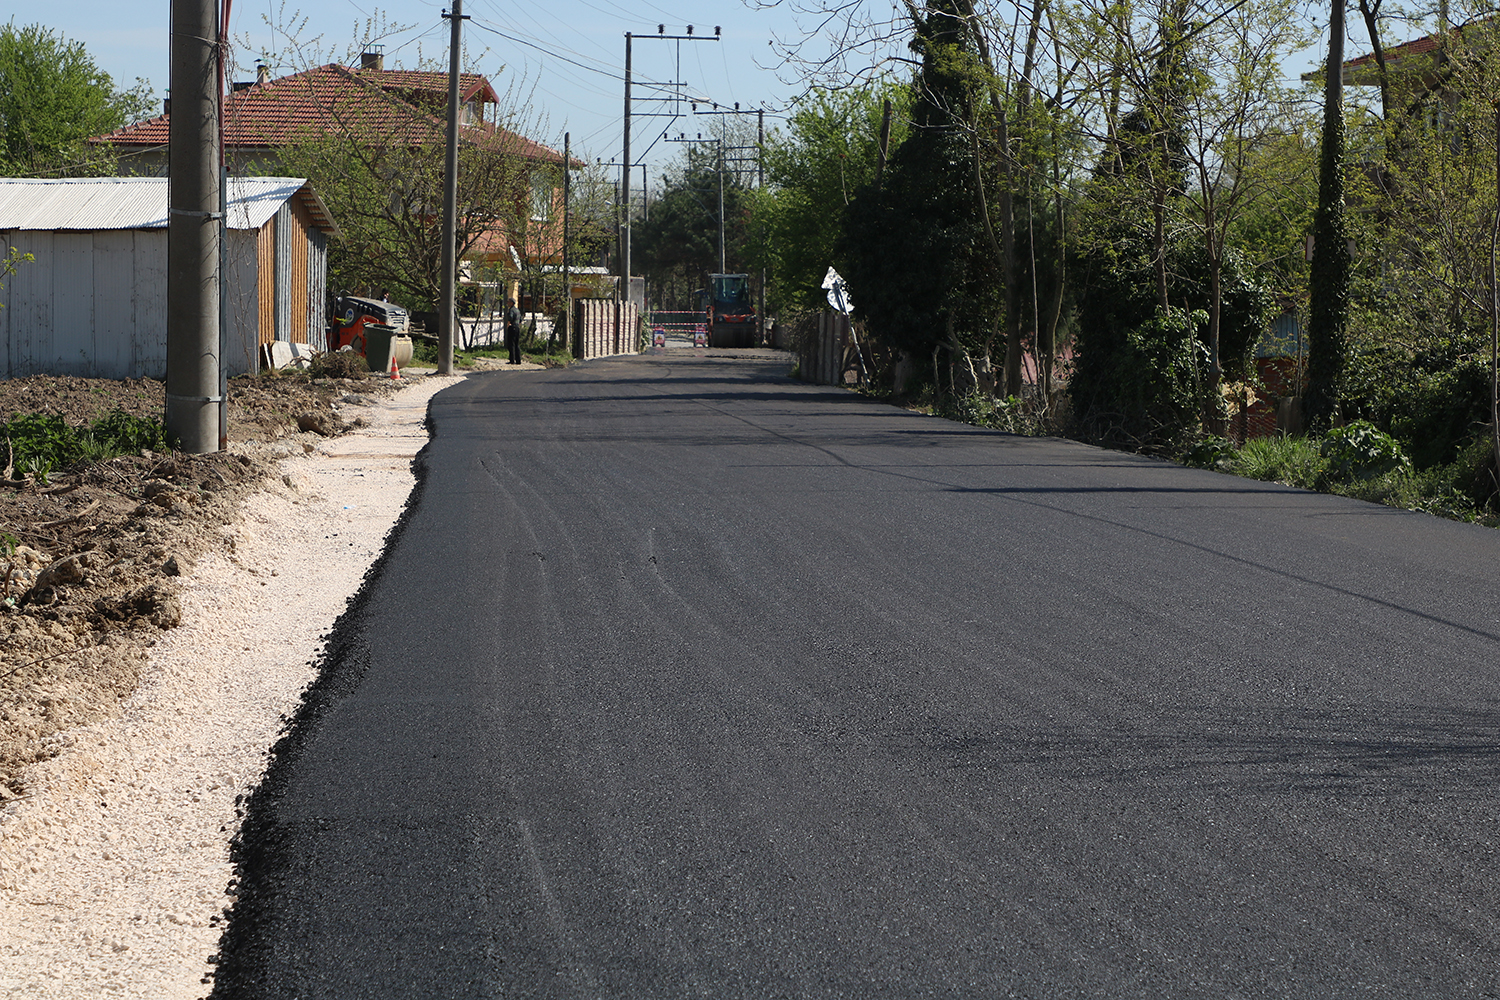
(1328,291)
(919,262)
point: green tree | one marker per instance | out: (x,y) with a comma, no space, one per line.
(1421,300)
(1235,114)
(52,99)
(379,162)
(677,247)
(830,149)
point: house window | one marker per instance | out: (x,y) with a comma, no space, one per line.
(469,115)
(541,196)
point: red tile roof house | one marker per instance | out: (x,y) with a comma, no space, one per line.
(397,107)
(1419,61)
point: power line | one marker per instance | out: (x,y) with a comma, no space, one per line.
(543,49)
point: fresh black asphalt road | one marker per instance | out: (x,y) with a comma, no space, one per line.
(682,679)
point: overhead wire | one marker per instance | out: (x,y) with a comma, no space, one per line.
(539,39)
(617,76)
(538,28)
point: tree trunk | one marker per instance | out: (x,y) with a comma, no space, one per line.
(1006,197)
(1008,269)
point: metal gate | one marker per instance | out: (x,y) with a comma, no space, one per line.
(679,323)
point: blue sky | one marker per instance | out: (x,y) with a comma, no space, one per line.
(566,56)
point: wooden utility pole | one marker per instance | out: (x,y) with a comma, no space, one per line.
(448,310)
(193,393)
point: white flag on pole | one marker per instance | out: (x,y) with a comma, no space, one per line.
(838,292)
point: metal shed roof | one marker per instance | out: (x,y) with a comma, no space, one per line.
(92,203)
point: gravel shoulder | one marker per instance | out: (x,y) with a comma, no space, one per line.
(114,861)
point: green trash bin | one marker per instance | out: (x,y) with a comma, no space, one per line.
(381,342)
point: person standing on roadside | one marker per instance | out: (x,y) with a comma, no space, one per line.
(513,331)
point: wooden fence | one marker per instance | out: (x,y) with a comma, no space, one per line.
(604,327)
(826,353)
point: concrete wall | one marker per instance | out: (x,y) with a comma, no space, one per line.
(598,334)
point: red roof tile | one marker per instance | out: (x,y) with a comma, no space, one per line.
(1415,47)
(405,107)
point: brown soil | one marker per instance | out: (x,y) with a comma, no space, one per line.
(90,557)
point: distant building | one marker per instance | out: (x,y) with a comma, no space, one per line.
(400,108)
(1417,66)
(94,302)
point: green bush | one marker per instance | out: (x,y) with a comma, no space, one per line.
(42,442)
(424,352)
(1463,489)
(1361,451)
(1212,453)
(981,410)
(1431,399)
(119,433)
(1148,389)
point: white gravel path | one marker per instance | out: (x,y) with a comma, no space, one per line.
(113,871)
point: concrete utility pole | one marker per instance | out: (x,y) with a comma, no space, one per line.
(760,182)
(567,237)
(624,289)
(194,395)
(721,205)
(448,308)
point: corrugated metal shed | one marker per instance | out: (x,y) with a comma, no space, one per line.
(93,300)
(87,204)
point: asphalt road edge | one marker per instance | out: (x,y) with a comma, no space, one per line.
(340,665)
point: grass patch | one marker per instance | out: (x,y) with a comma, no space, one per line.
(43,443)
(425,354)
(1294,461)
(550,356)
(1462,490)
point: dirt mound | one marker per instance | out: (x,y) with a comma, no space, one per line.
(90,555)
